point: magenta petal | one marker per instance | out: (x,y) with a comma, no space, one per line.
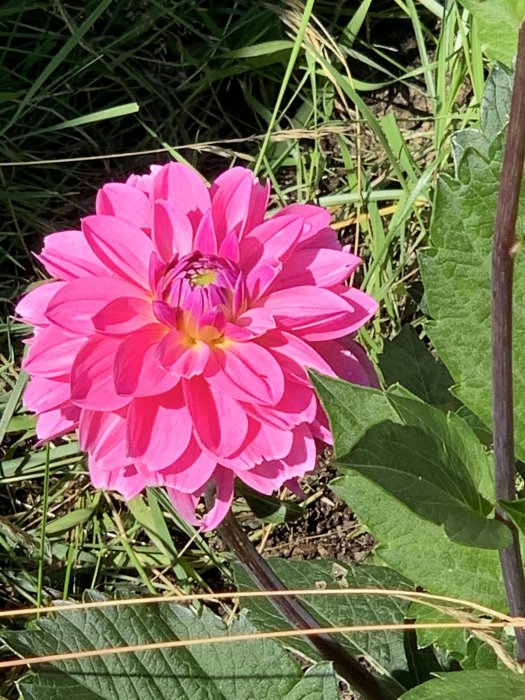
(205,238)
(251,324)
(45,394)
(184,504)
(181,184)
(125,479)
(224,481)
(179,359)
(137,369)
(220,422)
(124,202)
(172,230)
(274,239)
(318,266)
(159,429)
(32,307)
(124,315)
(92,381)
(123,247)
(59,421)
(52,353)
(74,306)
(316,218)
(231,195)
(67,255)
(191,471)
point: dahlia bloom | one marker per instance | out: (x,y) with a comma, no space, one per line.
(176,330)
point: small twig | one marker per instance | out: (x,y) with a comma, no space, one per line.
(359,679)
(502,273)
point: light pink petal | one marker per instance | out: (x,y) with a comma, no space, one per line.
(251,324)
(316,218)
(259,278)
(274,239)
(231,196)
(172,230)
(182,360)
(159,429)
(137,370)
(289,348)
(220,422)
(230,247)
(224,481)
(253,370)
(263,442)
(124,202)
(144,183)
(192,470)
(182,185)
(315,313)
(265,478)
(44,394)
(347,360)
(76,303)
(52,353)
(298,405)
(68,256)
(205,236)
(184,504)
(125,479)
(317,266)
(123,247)
(303,455)
(32,307)
(59,421)
(92,382)
(124,315)
(99,431)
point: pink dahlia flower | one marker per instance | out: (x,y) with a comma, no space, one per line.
(176,331)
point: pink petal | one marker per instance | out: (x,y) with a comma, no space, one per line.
(172,230)
(315,313)
(298,405)
(184,504)
(317,266)
(182,360)
(205,237)
(238,202)
(52,353)
(43,394)
(316,218)
(230,247)
(181,184)
(251,324)
(263,442)
(274,239)
(137,370)
(192,470)
(125,479)
(123,247)
(76,303)
(32,307)
(59,421)
(220,422)
(124,202)
(123,316)
(345,358)
(92,382)
(259,278)
(224,481)
(159,429)
(289,348)
(68,256)
(249,371)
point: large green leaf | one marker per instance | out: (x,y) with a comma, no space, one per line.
(406,360)
(255,669)
(432,462)
(457,269)
(419,549)
(384,651)
(498,23)
(474,685)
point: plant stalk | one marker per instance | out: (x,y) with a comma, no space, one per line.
(362,681)
(503,252)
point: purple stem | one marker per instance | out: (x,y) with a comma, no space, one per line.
(502,273)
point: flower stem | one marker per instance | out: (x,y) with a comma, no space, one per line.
(360,680)
(502,273)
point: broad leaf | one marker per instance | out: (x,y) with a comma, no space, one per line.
(474,685)
(498,23)
(253,669)
(406,360)
(384,651)
(419,549)
(516,510)
(457,269)
(319,683)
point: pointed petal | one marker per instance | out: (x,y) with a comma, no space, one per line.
(182,360)
(274,239)
(316,218)
(184,504)
(172,230)
(121,246)
(59,421)
(321,267)
(124,202)
(251,324)
(67,256)
(92,381)
(52,353)
(124,315)
(32,307)
(181,184)
(137,370)
(45,394)
(192,470)
(224,481)
(220,422)
(205,237)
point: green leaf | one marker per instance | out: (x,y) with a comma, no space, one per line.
(69,520)
(456,271)
(270,509)
(498,23)
(407,360)
(384,651)
(420,550)
(319,683)
(474,685)
(254,669)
